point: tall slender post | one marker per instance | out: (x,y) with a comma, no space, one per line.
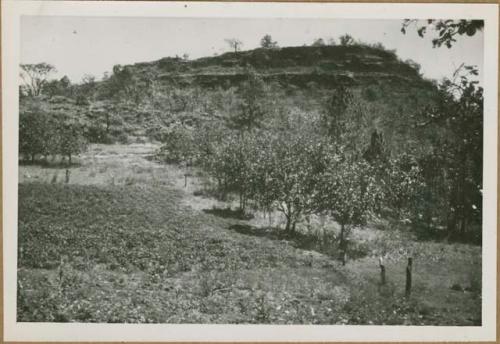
(343,245)
(408,277)
(382,270)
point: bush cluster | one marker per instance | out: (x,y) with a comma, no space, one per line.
(54,131)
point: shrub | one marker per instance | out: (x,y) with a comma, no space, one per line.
(178,145)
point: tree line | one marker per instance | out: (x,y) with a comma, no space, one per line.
(277,159)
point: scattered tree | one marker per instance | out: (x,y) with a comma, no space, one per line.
(268,43)
(349,193)
(61,87)
(231,163)
(35,76)
(70,136)
(319,42)
(333,116)
(288,174)
(51,129)
(88,86)
(458,150)
(234,43)
(331,41)
(35,131)
(346,40)
(178,145)
(252,106)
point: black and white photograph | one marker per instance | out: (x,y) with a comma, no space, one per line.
(251,168)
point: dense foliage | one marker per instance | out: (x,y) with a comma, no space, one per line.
(338,162)
(51,129)
(354,152)
(447,30)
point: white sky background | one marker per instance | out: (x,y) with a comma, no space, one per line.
(92,45)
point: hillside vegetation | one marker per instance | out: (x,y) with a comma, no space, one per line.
(145,96)
(258,186)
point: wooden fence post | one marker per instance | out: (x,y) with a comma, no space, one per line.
(408,277)
(382,270)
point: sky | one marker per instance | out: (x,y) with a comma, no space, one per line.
(93,45)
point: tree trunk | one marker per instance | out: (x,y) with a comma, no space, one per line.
(408,277)
(107,123)
(242,206)
(343,244)
(288,223)
(382,271)
(342,233)
(458,219)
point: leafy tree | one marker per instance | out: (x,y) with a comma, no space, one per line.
(230,162)
(334,115)
(51,128)
(123,86)
(376,152)
(234,43)
(268,43)
(349,193)
(36,134)
(252,105)
(346,40)
(60,87)
(331,41)
(404,190)
(88,87)
(319,42)
(69,135)
(179,145)
(289,168)
(101,117)
(447,30)
(273,167)
(65,82)
(35,76)
(248,115)
(457,150)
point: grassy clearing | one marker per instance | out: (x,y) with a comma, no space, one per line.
(140,248)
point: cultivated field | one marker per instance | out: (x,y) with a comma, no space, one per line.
(121,239)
